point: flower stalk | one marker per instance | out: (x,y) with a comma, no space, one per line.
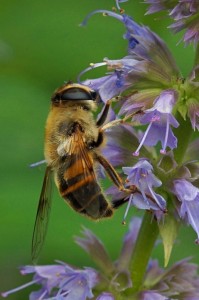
(196,62)
(142,252)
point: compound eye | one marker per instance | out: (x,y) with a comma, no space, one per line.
(75,94)
(93,95)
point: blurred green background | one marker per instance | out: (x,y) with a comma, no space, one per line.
(41,46)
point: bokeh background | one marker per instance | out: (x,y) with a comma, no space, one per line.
(41,46)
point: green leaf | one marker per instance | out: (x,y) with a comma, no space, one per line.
(168,231)
(182,109)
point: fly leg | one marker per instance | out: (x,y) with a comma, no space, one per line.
(119,121)
(103,127)
(113,175)
(104,113)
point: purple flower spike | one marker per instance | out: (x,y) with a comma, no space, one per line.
(144,44)
(160,119)
(60,282)
(188,195)
(142,177)
(178,282)
(185,14)
(155,62)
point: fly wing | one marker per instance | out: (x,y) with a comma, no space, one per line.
(81,170)
(42,217)
(82,190)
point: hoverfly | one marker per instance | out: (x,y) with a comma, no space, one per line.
(73,139)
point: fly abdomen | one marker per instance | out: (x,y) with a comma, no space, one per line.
(95,207)
(76,178)
(84,195)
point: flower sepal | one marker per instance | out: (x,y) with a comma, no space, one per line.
(168,231)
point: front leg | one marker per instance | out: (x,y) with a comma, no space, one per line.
(104,114)
(98,142)
(113,175)
(119,121)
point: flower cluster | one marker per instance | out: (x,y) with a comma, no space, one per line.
(185,14)
(61,281)
(153,97)
(153,142)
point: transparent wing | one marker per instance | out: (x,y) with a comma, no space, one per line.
(83,161)
(82,190)
(42,217)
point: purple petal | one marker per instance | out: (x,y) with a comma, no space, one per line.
(141,164)
(146,203)
(188,194)
(157,133)
(105,296)
(160,201)
(150,295)
(77,287)
(141,174)
(120,142)
(184,190)
(40,294)
(180,280)
(191,208)
(106,86)
(155,6)
(152,180)
(165,102)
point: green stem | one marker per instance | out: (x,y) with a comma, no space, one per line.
(141,254)
(196,62)
(183,134)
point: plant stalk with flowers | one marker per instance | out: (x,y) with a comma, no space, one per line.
(153,143)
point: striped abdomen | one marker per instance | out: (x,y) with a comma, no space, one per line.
(78,186)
